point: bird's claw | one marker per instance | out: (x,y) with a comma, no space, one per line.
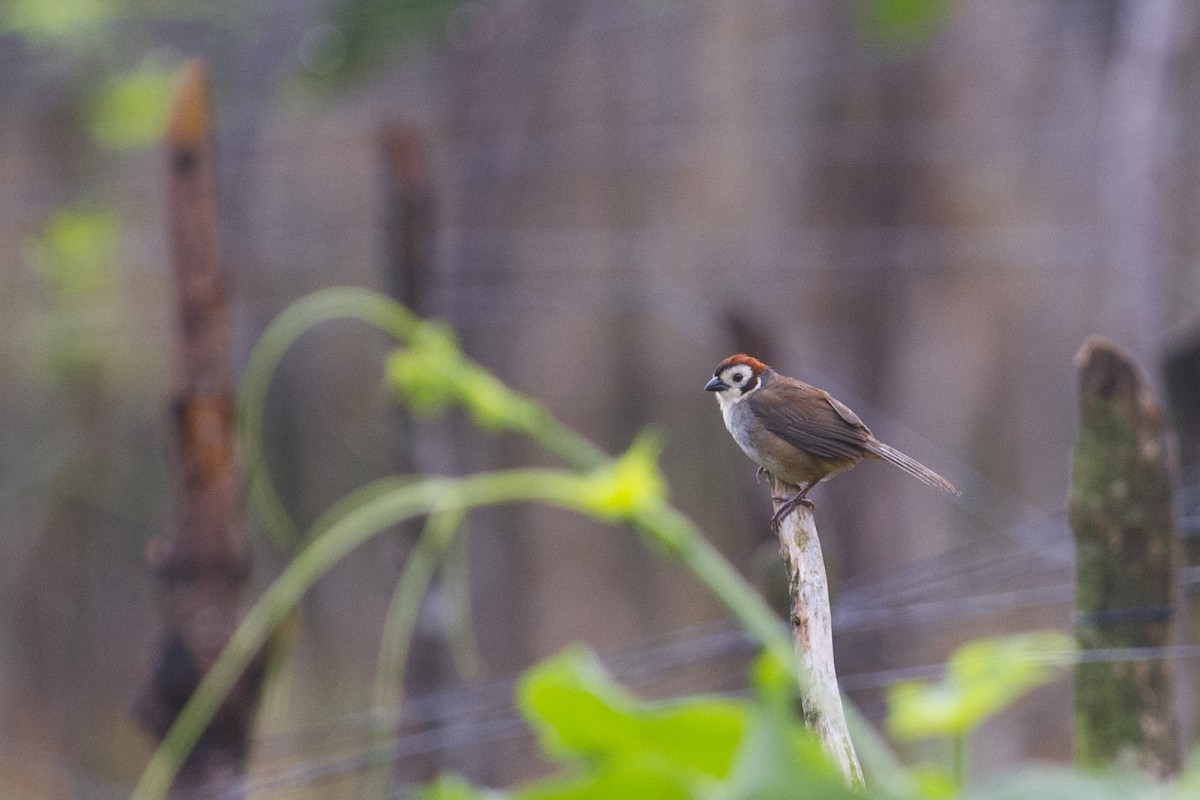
(788,506)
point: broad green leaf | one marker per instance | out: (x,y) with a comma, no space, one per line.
(933,783)
(574,706)
(779,757)
(982,678)
(579,712)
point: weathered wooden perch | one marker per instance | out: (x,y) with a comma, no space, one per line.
(812,631)
(202,566)
(1123,522)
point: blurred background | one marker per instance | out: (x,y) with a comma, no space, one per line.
(923,206)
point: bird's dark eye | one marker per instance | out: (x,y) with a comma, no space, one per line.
(737,377)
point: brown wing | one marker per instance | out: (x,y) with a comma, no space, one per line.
(810,419)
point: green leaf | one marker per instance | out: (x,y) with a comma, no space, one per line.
(131,110)
(779,757)
(579,712)
(683,749)
(433,373)
(633,483)
(773,683)
(982,678)
(934,784)
(75,251)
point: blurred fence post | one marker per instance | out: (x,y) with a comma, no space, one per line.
(410,216)
(410,235)
(812,632)
(1181,373)
(1122,520)
(203,565)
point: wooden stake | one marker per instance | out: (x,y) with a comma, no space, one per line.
(202,567)
(1123,522)
(1181,373)
(410,220)
(812,632)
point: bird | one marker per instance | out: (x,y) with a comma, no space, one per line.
(797,433)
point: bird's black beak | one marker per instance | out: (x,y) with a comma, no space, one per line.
(716,385)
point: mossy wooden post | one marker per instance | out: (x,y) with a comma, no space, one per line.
(812,632)
(1181,371)
(202,566)
(1123,522)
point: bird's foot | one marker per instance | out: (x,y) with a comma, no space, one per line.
(787,506)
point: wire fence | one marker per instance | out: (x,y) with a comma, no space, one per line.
(649,114)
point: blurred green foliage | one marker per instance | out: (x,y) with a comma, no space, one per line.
(902,24)
(628,486)
(432,374)
(614,745)
(74,254)
(122,78)
(361,34)
(982,678)
(611,744)
(74,251)
(578,712)
(58,21)
(131,109)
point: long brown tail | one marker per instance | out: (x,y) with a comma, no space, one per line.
(912,467)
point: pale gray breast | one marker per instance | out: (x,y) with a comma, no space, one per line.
(755,441)
(738,419)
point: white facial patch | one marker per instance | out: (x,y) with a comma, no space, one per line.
(737,392)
